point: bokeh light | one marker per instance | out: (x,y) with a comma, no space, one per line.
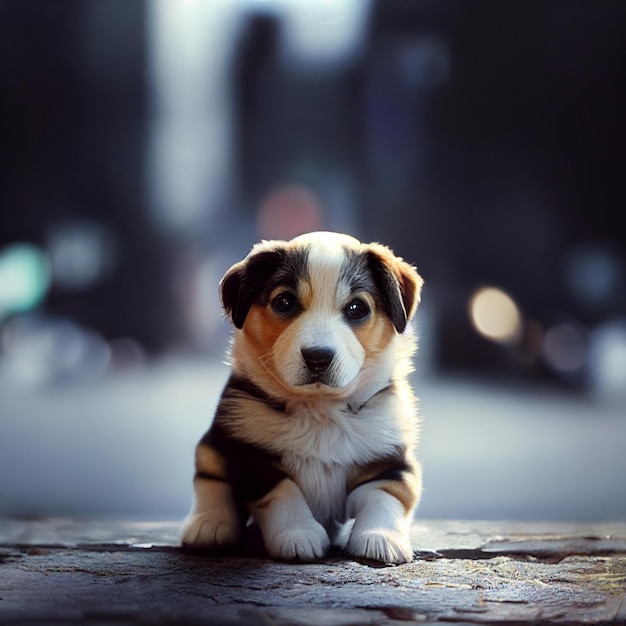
(288,211)
(565,347)
(495,315)
(24,278)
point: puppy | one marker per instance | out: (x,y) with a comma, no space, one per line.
(315,432)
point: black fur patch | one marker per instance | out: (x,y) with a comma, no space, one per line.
(251,471)
(367,271)
(393,468)
(393,472)
(388,289)
(252,280)
(356,273)
(238,385)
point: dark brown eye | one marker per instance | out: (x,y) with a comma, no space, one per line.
(356,310)
(285,303)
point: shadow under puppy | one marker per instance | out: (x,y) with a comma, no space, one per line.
(315,432)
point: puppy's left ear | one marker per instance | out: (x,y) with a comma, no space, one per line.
(398,282)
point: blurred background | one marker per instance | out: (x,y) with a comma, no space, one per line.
(146,145)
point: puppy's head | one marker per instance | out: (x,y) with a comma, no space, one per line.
(311,311)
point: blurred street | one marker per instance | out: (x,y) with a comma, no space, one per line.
(123,447)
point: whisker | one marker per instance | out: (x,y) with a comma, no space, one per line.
(263,361)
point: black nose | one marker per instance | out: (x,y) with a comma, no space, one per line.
(318,359)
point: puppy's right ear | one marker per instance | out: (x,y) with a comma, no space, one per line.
(245,283)
(230,290)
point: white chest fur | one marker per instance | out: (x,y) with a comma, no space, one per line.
(320,442)
(323,486)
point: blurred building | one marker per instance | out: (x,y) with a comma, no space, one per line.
(147,145)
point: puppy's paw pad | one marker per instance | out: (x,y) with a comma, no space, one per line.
(299,544)
(384,546)
(204,531)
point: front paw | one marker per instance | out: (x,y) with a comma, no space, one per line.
(202,530)
(307,542)
(386,546)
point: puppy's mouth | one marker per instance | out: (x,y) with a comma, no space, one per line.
(319,370)
(319,380)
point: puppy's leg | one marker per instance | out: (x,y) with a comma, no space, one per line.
(383,512)
(287,524)
(214,520)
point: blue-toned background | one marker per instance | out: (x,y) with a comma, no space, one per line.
(146,145)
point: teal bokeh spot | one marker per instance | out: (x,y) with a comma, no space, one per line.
(24,278)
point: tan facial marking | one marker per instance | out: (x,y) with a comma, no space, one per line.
(305,294)
(374,333)
(262,328)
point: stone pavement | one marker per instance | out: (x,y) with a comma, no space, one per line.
(99,573)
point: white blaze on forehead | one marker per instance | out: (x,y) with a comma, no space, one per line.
(326,255)
(325,259)
(320,323)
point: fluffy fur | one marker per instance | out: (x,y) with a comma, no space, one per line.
(315,432)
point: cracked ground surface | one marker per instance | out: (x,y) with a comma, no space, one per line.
(96,573)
